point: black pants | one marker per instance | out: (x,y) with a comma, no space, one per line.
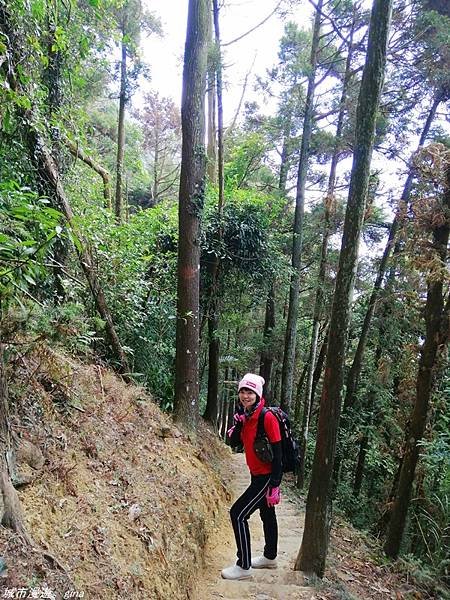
(253,498)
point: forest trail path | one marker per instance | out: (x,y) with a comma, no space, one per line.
(282,583)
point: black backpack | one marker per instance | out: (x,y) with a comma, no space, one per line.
(289,447)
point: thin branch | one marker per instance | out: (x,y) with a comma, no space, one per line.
(255,27)
(330,19)
(26,293)
(241,99)
(77,152)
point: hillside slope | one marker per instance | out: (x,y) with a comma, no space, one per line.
(131,508)
(124,500)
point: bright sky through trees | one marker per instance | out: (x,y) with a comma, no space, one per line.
(165,55)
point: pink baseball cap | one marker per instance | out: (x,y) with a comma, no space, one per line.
(252,382)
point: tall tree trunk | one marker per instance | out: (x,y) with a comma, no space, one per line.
(287,378)
(52,80)
(319,299)
(318,370)
(211,409)
(360,465)
(285,156)
(214,303)
(355,370)
(314,547)
(436,337)
(155,190)
(211,128)
(298,394)
(307,411)
(121,131)
(219,85)
(267,354)
(191,199)
(224,406)
(10,510)
(368,420)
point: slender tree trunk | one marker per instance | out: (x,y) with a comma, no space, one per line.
(191,199)
(49,173)
(307,414)
(155,191)
(224,407)
(314,547)
(318,370)
(219,85)
(436,337)
(52,73)
(121,131)
(10,510)
(285,156)
(210,414)
(212,144)
(367,424)
(355,370)
(298,394)
(360,465)
(52,80)
(267,354)
(319,300)
(214,304)
(291,325)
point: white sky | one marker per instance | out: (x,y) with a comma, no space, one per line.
(259,48)
(165,56)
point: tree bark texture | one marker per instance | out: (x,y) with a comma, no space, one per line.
(212,399)
(285,156)
(287,378)
(436,337)
(191,199)
(214,302)
(118,206)
(314,547)
(212,146)
(267,354)
(10,510)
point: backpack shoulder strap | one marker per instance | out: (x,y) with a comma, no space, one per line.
(260,431)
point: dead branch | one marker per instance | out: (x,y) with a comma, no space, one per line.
(77,152)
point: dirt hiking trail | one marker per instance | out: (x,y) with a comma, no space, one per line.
(355,570)
(282,583)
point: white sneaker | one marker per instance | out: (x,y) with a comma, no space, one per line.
(261,562)
(236,572)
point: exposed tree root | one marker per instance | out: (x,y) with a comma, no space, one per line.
(12,518)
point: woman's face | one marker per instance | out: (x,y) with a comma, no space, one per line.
(247,397)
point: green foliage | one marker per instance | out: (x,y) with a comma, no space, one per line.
(68,326)
(245,162)
(28,228)
(247,245)
(137,262)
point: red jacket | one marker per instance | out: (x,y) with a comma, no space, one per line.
(248,434)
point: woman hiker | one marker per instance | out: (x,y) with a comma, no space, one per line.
(263,492)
